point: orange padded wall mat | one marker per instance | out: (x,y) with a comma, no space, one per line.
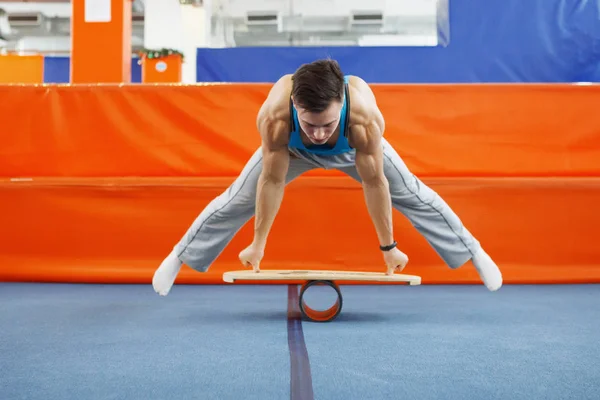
(538,230)
(99,182)
(210,130)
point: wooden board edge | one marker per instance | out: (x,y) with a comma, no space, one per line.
(228,278)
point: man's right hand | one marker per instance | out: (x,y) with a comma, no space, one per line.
(252,256)
(272,123)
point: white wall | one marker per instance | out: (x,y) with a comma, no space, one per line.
(330,7)
(326,22)
(50,9)
(168,24)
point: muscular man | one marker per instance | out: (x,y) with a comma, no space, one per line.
(319,118)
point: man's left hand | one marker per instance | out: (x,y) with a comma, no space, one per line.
(395,260)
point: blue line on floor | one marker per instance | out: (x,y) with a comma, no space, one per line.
(300,377)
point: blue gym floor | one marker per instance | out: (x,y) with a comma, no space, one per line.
(77,341)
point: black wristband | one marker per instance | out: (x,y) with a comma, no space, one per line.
(388,247)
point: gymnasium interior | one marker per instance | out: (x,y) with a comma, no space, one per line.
(122,120)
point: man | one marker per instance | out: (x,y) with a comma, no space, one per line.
(319,118)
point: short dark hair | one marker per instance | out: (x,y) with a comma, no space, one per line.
(317,84)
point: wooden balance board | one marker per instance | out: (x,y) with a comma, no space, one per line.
(318,277)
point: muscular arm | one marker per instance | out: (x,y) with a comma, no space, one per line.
(271,183)
(369,165)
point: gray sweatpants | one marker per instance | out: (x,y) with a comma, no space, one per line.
(224,216)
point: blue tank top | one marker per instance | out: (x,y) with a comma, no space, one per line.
(341,145)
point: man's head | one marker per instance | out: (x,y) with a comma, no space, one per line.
(317,94)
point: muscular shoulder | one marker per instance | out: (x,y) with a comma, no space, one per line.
(273,119)
(366,121)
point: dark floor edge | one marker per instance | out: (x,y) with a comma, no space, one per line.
(300,376)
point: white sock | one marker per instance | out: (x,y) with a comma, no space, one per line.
(488,270)
(165,275)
